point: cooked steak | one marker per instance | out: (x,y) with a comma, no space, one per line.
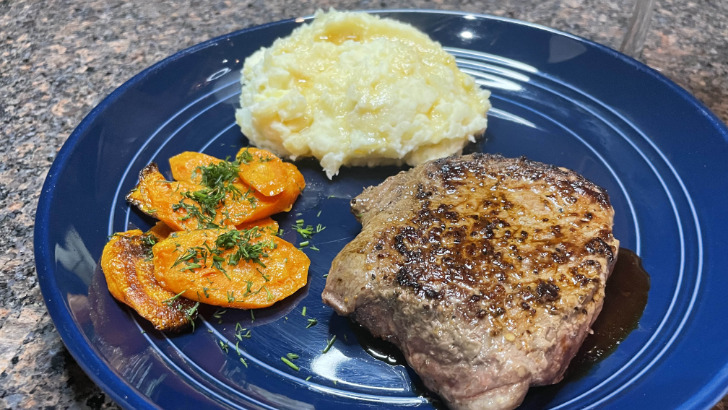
(487,272)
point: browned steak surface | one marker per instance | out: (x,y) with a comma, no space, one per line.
(487,272)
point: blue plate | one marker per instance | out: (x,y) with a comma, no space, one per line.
(556,98)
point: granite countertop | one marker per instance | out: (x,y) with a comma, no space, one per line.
(61,58)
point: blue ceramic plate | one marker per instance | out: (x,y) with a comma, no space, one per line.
(556,98)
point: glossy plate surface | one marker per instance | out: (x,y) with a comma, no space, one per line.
(556,98)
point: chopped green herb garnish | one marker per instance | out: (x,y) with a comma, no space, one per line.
(169,301)
(191,266)
(217,183)
(269,296)
(243,333)
(190,314)
(303,311)
(290,364)
(251,199)
(190,254)
(329,344)
(265,277)
(240,241)
(311,322)
(245,157)
(248,291)
(306,232)
(148,240)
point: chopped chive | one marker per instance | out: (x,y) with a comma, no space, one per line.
(290,364)
(311,322)
(292,356)
(329,344)
(303,311)
(243,362)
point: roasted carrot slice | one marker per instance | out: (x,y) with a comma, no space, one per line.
(185,205)
(267,224)
(182,204)
(269,205)
(263,171)
(127,265)
(187,165)
(257,168)
(160,231)
(166,201)
(231,268)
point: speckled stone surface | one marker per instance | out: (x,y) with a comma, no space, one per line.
(61,58)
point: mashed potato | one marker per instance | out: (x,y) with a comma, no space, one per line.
(356,89)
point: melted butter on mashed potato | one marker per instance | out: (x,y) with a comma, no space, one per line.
(355,89)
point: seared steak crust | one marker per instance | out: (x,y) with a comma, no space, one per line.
(486,272)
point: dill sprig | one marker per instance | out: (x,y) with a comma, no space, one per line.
(240,242)
(217,182)
(244,249)
(307,231)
